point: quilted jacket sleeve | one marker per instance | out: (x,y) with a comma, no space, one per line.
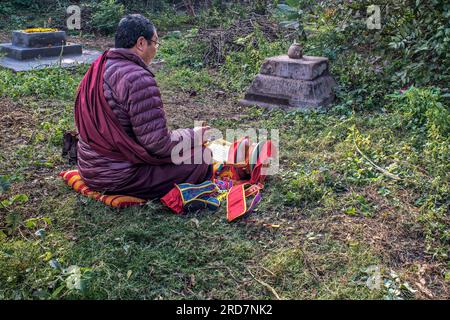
(147,116)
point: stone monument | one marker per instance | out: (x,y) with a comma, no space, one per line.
(292,81)
(39,47)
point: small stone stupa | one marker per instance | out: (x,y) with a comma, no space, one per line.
(41,47)
(292,81)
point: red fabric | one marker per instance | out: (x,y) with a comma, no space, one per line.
(173,200)
(97,124)
(236,205)
(236,171)
(267,151)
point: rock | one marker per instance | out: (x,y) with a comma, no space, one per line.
(35,50)
(174,34)
(284,82)
(220,93)
(307,68)
(26,46)
(295,51)
(155,66)
(38,39)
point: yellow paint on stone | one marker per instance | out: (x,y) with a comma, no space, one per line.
(35,30)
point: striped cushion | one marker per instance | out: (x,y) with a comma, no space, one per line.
(73,179)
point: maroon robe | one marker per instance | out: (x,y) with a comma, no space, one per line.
(125,146)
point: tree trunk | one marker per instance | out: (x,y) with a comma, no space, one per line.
(189,7)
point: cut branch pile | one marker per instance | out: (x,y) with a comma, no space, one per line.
(220,41)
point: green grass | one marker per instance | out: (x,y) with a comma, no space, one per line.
(151,253)
(46,83)
(147,253)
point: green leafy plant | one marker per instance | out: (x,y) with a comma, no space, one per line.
(240,67)
(5,184)
(419,36)
(423,112)
(422,108)
(294,13)
(55,131)
(46,83)
(76,278)
(106,15)
(13,221)
(17,199)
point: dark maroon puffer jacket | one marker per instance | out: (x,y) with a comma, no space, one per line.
(132,92)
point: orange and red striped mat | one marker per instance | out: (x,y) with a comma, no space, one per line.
(73,179)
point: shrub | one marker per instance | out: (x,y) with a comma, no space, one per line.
(240,67)
(421,107)
(45,83)
(179,50)
(424,113)
(106,15)
(187,79)
(418,37)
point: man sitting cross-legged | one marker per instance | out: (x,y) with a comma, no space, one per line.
(124,144)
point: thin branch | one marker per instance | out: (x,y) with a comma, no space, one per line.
(309,266)
(55,113)
(265,269)
(382,170)
(229,271)
(265,285)
(5,207)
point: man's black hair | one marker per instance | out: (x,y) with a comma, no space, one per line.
(130,28)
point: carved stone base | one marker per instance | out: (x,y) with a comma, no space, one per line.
(23,53)
(292,83)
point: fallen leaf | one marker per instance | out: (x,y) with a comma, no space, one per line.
(196,222)
(192,281)
(424,290)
